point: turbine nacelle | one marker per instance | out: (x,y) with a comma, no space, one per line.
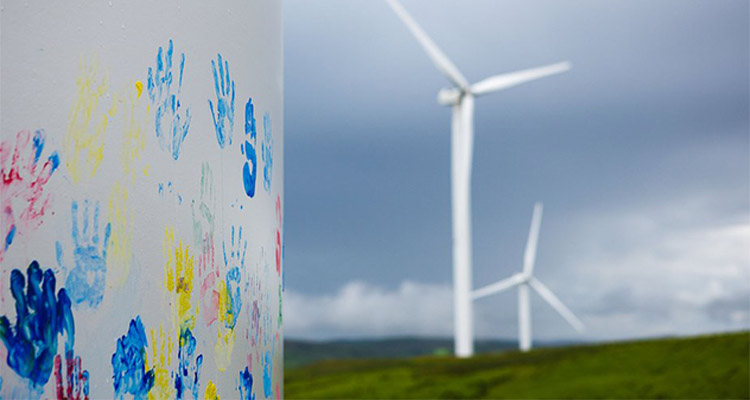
(449,97)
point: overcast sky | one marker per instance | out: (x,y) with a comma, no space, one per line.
(640,154)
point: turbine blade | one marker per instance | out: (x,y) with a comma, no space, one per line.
(440,60)
(550,297)
(504,81)
(498,287)
(529,256)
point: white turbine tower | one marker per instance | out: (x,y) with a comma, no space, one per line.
(461,98)
(525,279)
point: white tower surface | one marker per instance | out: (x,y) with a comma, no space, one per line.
(461,98)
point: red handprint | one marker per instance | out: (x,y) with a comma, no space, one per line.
(75,386)
(22,198)
(208,273)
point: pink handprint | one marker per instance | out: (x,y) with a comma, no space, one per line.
(24,176)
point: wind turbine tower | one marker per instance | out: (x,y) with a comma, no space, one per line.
(461,99)
(526,279)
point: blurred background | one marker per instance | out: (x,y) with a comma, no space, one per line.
(640,153)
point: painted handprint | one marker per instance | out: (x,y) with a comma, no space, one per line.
(40,317)
(250,168)
(231,305)
(75,383)
(224,113)
(129,363)
(210,393)
(160,361)
(230,297)
(83,142)
(203,212)
(170,126)
(267,368)
(266,152)
(246,385)
(203,231)
(178,280)
(24,173)
(86,281)
(188,374)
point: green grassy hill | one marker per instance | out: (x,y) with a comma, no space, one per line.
(696,368)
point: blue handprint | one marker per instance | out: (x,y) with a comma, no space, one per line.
(129,363)
(86,281)
(171,128)
(266,152)
(224,103)
(267,368)
(189,373)
(246,385)
(40,317)
(249,171)
(235,261)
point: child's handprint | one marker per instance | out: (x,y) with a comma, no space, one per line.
(231,305)
(203,217)
(83,142)
(178,276)
(171,127)
(86,281)
(266,152)
(160,362)
(24,177)
(188,374)
(246,385)
(75,385)
(230,298)
(224,103)
(40,318)
(250,168)
(129,363)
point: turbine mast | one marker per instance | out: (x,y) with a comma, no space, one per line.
(461,208)
(524,318)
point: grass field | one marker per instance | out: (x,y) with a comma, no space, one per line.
(686,368)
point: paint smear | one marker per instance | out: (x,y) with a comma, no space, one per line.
(267,368)
(25,174)
(210,393)
(203,231)
(74,385)
(187,378)
(83,142)
(134,139)
(279,237)
(40,317)
(246,385)
(266,152)
(230,296)
(160,362)
(250,168)
(120,216)
(178,280)
(129,363)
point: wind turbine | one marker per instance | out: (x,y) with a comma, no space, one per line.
(461,98)
(525,279)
